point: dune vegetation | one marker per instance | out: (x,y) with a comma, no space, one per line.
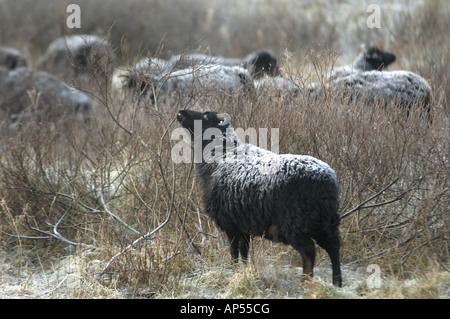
(98,209)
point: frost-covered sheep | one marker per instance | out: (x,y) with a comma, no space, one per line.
(215,78)
(153,65)
(72,56)
(202,80)
(11,58)
(249,191)
(135,79)
(259,63)
(277,86)
(192,60)
(402,88)
(24,90)
(370,60)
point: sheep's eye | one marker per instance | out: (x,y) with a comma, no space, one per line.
(205,117)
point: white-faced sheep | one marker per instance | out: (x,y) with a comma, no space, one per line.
(52,97)
(249,191)
(259,63)
(11,58)
(74,56)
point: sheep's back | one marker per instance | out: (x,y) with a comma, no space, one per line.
(402,86)
(253,194)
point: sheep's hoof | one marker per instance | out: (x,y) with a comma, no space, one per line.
(306,278)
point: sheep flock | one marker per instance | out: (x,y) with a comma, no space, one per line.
(73,63)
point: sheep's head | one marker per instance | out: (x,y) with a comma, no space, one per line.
(262,62)
(188,118)
(11,58)
(375,59)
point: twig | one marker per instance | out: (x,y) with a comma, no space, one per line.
(133,244)
(24,236)
(94,210)
(362,204)
(443,266)
(102,199)
(61,282)
(55,227)
(201,227)
(382,252)
(57,235)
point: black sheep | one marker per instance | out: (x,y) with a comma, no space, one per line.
(249,191)
(372,59)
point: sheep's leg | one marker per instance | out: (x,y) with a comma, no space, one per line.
(307,250)
(332,246)
(336,267)
(243,247)
(333,251)
(234,245)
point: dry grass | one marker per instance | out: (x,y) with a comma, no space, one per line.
(76,196)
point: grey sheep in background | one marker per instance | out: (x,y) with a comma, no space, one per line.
(216,78)
(188,73)
(259,63)
(155,66)
(402,88)
(136,79)
(11,58)
(249,191)
(191,60)
(190,82)
(277,85)
(74,56)
(52,97)
(371,59)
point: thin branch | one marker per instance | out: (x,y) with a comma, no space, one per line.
(362,204)
(382,252)
(61,283)
(102,199)
(25,237)
(57,235)
(133,244)
(55,227)
(94,210)
(201,228)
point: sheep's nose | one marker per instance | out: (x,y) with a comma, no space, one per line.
(180,118)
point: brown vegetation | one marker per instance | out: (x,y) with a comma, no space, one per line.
(108,191)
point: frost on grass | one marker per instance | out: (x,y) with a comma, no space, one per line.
(69,277)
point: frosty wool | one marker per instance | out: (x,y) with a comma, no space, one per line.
(249,191)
